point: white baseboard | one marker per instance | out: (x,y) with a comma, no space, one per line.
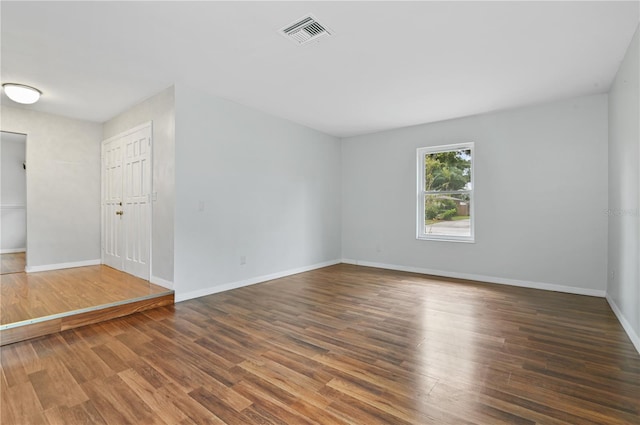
(635,339)
(482,278)
(12,250)
(59,266)
(162,282)
(258,279)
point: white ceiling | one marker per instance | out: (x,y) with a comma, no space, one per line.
(388,64)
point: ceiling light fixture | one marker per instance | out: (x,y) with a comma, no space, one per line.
(21,93)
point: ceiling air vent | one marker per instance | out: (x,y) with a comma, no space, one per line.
(304,30)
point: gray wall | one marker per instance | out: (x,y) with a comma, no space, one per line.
(249,185)
(540,197)
(13,192)
(161,110)
(623,290)
(63,186)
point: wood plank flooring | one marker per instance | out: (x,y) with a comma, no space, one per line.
(26,296)
(74,319)
(12,263)
(339,345)
(35,304)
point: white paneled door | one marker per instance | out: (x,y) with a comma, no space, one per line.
(126,201)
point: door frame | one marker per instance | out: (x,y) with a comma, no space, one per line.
(125,133)
(26,204)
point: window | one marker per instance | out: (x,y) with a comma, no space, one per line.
(445,193)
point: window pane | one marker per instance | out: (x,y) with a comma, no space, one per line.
(448,170)
(447,215)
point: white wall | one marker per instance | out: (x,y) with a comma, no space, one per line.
(160,110)
(540,197)
(623,290)
(249,184)
(13,193)
(63,186)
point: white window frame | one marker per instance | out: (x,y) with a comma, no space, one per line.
(421,194)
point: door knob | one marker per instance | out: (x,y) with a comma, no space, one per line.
(119,212)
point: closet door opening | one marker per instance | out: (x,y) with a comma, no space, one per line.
(126,201)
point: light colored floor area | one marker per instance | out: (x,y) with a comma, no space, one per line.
(26,296)
(12,263)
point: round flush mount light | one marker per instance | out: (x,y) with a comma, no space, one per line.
(21,93)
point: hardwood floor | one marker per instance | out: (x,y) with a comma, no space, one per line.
(12,263)
(26,296)
(35,304)
(340,345)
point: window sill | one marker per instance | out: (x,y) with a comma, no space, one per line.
(446,239)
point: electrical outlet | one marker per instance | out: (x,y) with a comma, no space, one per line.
(612,274)
(200,206)
(243,260)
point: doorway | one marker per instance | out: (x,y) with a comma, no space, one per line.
(126,201)
(13,202)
